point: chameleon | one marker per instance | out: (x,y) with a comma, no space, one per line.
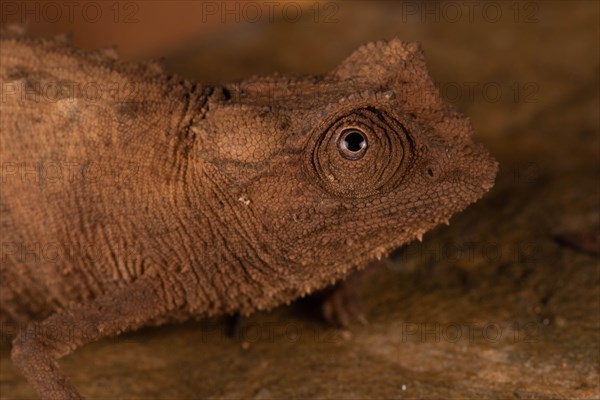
(132,197)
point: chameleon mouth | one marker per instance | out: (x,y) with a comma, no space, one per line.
(483,170)
(471,182)
(460,195)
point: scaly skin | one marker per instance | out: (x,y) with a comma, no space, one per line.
(131,197)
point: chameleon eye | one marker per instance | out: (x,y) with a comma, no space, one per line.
(352,144)
(362,152)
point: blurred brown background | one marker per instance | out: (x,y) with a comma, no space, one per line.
(491,306)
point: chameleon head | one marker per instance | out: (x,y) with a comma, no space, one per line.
(354,164)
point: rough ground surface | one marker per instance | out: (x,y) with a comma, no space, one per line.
(490,306)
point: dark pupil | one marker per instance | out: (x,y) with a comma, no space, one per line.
(354,141)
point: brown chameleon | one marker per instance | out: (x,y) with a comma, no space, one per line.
(132,197)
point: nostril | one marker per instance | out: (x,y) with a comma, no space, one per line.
(429,171)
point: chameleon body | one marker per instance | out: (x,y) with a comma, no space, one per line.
(132,197)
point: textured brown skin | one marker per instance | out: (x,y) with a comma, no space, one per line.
(210,200)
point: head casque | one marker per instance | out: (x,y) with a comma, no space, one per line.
(341,169)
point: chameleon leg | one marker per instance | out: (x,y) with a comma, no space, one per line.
(36,350)
(234,325)
(342,303)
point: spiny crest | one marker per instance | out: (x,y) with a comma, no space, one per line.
(378,62)
(64,41)
(399,67)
